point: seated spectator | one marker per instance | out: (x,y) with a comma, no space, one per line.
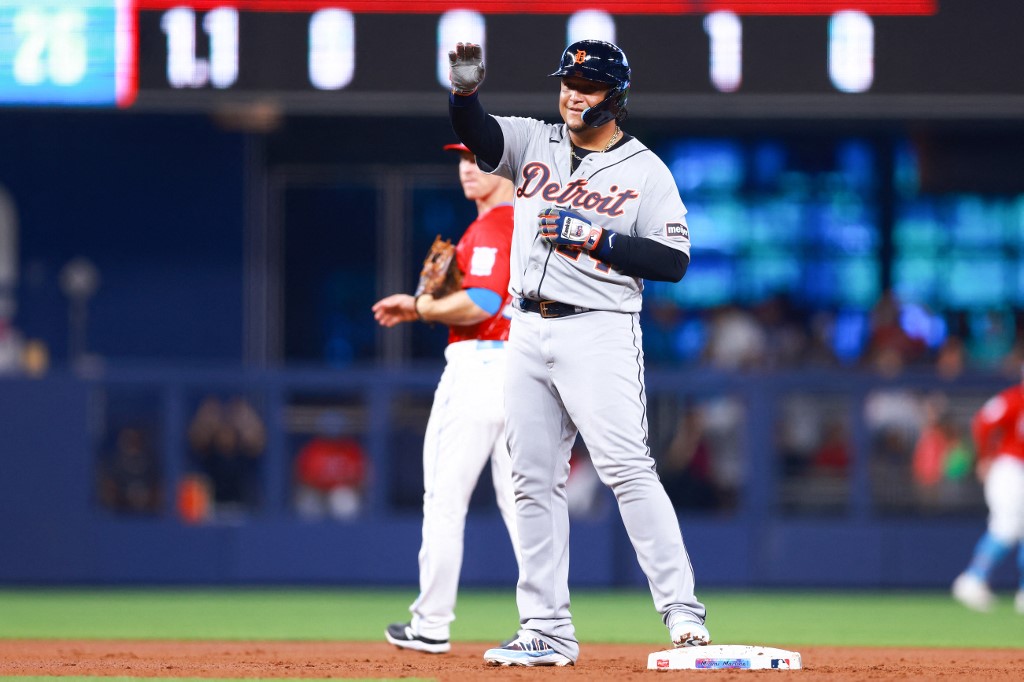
(951,358)
(129,476)
(11,348)
(942,459)
(992,336)
(227,441)
(584,489)
(889,347)
(786,340)
(685,465)
(330,476)
(832,457)
(736,340)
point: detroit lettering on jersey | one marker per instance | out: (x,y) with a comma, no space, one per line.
(537,176)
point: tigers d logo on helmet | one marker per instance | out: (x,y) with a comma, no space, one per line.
(581,56)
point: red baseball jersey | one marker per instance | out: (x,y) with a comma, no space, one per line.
(998,427)
(483,256)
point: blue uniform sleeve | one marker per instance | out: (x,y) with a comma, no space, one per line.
(476,129)
(485,298)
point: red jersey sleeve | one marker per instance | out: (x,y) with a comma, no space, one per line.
(483,255)
(483,252)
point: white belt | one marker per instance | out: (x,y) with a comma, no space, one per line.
(460,348)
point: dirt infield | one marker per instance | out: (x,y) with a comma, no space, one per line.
(379,660)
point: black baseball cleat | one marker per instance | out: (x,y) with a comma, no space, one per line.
(402,636)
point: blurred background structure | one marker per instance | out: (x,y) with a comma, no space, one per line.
(200,200)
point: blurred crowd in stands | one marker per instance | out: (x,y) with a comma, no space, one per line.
(920,457)
(889,338)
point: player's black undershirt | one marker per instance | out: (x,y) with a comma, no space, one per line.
(633,256)
(476,128)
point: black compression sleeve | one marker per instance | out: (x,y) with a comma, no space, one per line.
(476,128)
(644,258)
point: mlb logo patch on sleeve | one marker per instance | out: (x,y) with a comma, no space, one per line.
(677,231)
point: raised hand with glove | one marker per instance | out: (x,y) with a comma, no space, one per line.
(466,68)
(565,227)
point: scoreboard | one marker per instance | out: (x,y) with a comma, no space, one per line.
(389,57)
(67,52)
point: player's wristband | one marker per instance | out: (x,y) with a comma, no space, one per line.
(602,250)
(458,99)
(416,307)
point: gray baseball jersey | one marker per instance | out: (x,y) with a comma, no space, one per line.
(627,190)
(558,384)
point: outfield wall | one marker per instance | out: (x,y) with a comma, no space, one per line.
(53,529)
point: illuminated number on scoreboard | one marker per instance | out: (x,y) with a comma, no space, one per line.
(31,28)
(184,68)
(725,37)
(332,42)
(590,23)
(221,25)
(457,25)
(851,51)
(52,47)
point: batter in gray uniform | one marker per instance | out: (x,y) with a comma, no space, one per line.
(596,213)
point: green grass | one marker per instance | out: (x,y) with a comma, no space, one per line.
(925,619)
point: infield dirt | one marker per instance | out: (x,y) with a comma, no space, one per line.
(276,659)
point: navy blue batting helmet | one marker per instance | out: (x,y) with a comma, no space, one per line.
(603,62)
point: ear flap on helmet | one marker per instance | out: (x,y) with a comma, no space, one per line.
(608,109)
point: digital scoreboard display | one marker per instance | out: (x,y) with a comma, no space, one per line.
(379,56)
(67,52)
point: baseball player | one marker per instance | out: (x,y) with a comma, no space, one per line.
(596,213)
(998,430)
(466,427)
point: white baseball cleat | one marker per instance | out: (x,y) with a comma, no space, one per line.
(527,651)
(688,633)
(1018,602)
(973,593)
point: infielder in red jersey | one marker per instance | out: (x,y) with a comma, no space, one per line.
(466,427)
(596,214)
(998,430)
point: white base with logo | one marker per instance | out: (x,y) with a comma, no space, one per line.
(724,657)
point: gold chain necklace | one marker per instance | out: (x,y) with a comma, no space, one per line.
(615,136)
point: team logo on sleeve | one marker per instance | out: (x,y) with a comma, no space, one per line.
(482,263)
(677,231)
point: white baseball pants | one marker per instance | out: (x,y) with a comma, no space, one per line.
(466,428)
(1004,495)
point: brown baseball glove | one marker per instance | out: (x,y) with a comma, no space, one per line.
(440,275)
